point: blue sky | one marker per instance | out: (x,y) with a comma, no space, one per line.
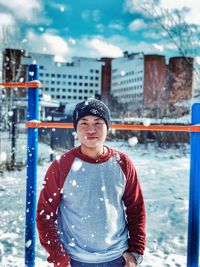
(93,28)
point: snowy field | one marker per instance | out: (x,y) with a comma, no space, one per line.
(164,177)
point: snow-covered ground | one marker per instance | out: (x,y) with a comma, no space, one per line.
(164,177)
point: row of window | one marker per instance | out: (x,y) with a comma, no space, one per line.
(119,77)
(137,79)
(70,76)
(91,70)
(68,97)
(69,90)
(131,96)
(126,73)
(124,89)
(70,83)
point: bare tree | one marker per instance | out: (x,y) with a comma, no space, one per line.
(183,36)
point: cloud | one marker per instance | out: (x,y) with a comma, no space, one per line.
(158,47)
(136,25)
(103,48)
(60,7)
(48,43)
(6,20)
(193,7)
(91,15)
(116,26)
(23,10)
(189,8)
(100,27)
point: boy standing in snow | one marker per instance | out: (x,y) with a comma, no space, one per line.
(91,209)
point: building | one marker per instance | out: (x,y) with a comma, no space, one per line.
(128,80)
(155,86)
(181,74)
(106,78)
(132,85)
(68,83)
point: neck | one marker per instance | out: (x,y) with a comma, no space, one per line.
(92,152)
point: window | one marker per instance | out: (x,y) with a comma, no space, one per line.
(52,75)
(58,75)
(80,77)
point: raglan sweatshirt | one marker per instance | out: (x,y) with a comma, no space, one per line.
(91,210)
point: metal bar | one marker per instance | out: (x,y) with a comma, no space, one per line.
(31,183)
(164,128)
(194,193)
(30,84)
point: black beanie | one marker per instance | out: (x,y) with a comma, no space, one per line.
(91,106)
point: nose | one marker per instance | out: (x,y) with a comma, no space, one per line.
(91,129)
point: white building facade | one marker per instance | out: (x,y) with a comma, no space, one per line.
(67,83)
(128,79)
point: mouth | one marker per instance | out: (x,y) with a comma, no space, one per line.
(90,137)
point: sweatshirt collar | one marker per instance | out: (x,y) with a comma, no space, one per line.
(102,158)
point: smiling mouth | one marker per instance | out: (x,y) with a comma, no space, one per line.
(90,137)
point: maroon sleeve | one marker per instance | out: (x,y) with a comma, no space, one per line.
(135,208)
(48,203)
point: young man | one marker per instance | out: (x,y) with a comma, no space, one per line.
(91,209)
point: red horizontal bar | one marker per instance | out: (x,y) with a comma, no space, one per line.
(163,128)
(31,84)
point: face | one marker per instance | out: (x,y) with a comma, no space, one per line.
(91,131)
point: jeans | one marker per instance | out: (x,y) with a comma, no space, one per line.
(120,262)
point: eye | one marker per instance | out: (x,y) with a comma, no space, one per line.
(99,123)
(83,123)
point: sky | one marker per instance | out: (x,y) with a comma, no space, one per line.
(93,28)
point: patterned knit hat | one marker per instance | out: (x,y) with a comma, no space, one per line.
(91,106)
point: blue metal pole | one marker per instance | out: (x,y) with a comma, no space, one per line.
(194,193)
(31,183)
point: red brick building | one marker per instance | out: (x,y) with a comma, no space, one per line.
(180,85)
(155,84)
(106,78)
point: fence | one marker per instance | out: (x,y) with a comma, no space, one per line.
(32,156)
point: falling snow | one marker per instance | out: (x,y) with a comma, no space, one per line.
(164,179)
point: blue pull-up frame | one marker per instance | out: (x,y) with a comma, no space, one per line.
(31,188)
